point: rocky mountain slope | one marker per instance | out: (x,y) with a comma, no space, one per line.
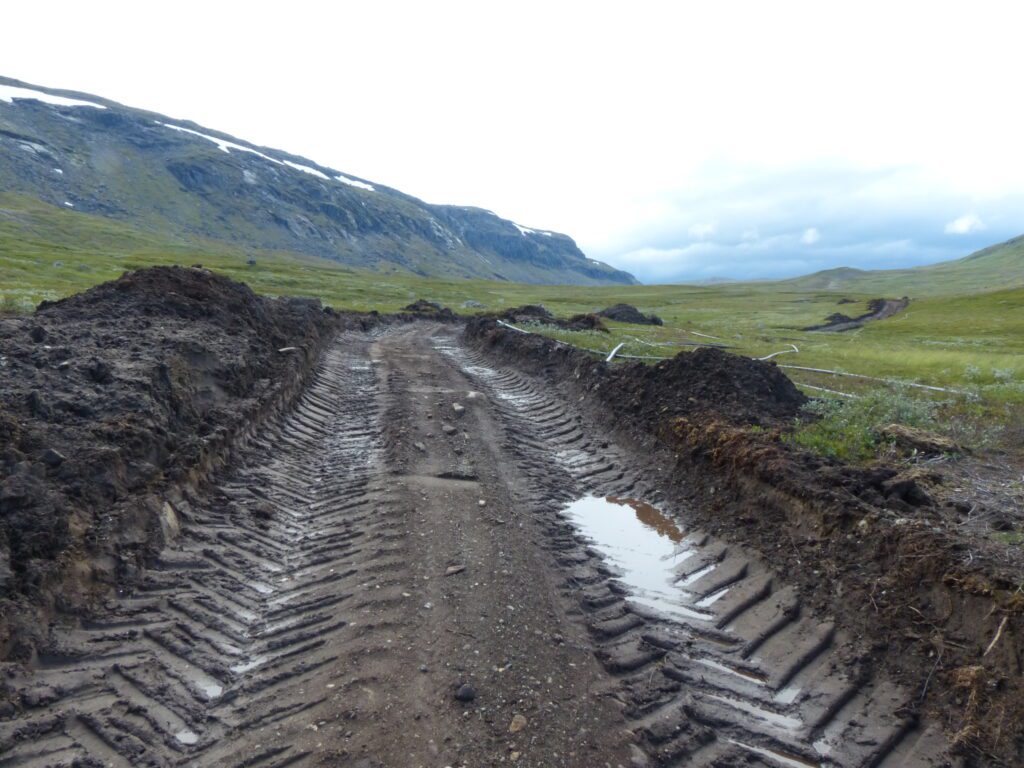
(184,181)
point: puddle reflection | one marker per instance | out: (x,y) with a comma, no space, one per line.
(643,544)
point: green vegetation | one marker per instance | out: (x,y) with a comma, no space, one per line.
(990,269)
(849,429)
(971,343)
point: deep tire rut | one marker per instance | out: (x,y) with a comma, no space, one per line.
(310,614)
(256,597)
(742,674)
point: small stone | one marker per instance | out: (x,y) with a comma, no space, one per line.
(517,724)
(453,569)
(420,447)
(482,502)
(52,457)
(424,668)
(448,429)
(465,692)
(458,408)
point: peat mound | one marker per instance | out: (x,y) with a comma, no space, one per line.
(707,380)
(423,308)
(528,313)
(627,313)
(111,397)
(534,313)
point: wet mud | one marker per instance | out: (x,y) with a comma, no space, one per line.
(415,546)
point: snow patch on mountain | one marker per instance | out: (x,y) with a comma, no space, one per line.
(9,93)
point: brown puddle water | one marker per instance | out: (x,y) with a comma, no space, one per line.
(643,544)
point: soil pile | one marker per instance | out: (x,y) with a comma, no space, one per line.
(109,396)
(706,380)
(528,313)
(627,313)
(534,313)
(431,309)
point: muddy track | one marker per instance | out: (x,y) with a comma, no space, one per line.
(256,598)
(741,669)
(398,535)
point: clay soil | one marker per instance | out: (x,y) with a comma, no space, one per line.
(250,532)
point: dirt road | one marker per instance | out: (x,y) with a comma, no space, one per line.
(385,577)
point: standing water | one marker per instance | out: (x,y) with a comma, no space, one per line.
(644,545)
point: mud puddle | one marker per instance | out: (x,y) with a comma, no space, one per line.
(647,549)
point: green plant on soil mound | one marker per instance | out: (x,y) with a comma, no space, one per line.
(850,430)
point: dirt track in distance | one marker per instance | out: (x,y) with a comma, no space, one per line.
(395,540)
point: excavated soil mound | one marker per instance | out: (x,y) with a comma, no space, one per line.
(528,313)
(106,397)
(707,380)
(534,313)
(627,313)
(583,323)
(424,308)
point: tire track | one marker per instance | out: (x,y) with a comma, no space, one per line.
(224,633)
(742,673)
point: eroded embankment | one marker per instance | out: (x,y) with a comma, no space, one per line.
(114,404)
(864,545)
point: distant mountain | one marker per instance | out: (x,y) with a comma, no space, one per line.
(993,268)
(181,180)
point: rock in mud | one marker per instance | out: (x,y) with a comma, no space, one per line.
(465,692)
(51,457)
(518,723)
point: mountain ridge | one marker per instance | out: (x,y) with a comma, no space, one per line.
(177,177)
(995,267)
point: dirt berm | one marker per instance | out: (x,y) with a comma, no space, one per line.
(870,546)
(116,401)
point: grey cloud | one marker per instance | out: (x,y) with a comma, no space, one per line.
(780,224)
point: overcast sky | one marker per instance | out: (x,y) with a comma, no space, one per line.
(677,140)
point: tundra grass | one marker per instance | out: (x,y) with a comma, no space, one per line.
(973,343)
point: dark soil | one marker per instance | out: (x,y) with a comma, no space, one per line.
(878,309)
(433,310)
(627,313)
(705,381)
(113,393)
(397,464)
(880,548)
(534,313)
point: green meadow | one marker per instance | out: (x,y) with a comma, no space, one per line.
(971,342)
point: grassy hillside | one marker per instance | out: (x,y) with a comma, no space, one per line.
(973,342)
(994,268)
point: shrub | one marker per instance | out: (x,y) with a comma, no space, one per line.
(849,429)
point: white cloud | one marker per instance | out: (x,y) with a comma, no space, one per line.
(703,230)
(810,236)
(969,222)
(614,154)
